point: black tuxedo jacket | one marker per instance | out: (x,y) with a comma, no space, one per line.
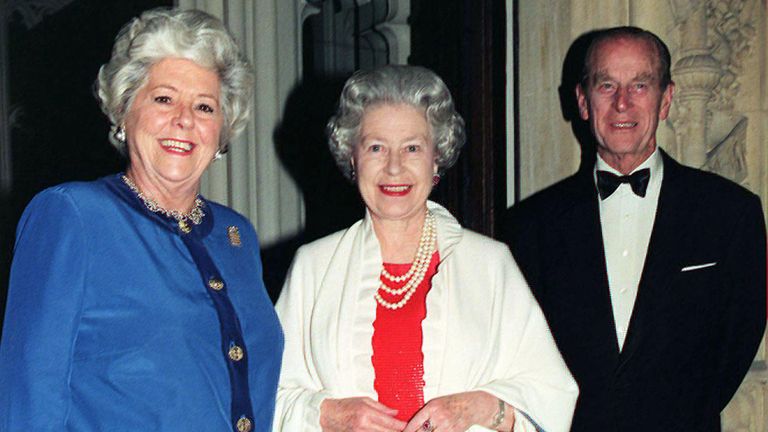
(693,334)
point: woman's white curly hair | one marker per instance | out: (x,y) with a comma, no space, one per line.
(396,84)
(163,33)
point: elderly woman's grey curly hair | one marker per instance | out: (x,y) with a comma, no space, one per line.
(396,84)
(163,33)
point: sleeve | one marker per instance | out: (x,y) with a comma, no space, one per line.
(299,391)
(744,320)
(45,296)
(531,375)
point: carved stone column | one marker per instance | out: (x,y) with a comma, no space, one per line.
(696,73)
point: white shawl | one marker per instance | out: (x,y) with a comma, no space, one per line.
(483,329)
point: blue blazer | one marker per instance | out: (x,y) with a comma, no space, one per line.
(112,324)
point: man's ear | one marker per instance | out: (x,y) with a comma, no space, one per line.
(666,101)
(581,98)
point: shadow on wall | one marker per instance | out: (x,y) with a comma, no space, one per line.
(570,78)
(331,201)
(573,65)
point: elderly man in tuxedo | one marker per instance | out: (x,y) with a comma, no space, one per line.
(651,274)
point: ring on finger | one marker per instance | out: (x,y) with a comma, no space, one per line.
(427,426)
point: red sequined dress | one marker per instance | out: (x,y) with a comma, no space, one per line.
(398,361)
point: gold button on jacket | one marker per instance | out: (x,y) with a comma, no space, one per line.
(216,284)
(236,353)
(244,425)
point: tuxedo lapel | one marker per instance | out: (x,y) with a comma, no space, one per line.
(582,240)
(672,213)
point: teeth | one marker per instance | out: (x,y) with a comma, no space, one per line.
(395,188)
(625,124)
(179,146)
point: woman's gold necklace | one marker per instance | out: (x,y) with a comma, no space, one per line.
(195,215)
(417,272)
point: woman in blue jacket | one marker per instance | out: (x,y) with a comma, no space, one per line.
(134,303)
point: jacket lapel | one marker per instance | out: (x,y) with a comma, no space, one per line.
(582,240)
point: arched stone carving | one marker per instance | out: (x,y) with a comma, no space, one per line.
(732,30)
(728,157)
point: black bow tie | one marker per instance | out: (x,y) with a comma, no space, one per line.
(608,182)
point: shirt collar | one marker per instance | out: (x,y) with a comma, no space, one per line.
(654,162)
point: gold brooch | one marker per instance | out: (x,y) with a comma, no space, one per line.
(234,236)
(184,227)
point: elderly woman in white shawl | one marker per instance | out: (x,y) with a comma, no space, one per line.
(405,321)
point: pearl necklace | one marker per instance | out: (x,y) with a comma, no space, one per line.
(416,273)
(195,215)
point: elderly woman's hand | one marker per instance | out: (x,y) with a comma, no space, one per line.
(358,414)
(458,412)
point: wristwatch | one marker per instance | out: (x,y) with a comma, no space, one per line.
(499,417)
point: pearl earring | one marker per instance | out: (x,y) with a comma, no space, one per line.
(120,134)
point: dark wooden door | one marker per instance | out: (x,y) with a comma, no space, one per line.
(464,42)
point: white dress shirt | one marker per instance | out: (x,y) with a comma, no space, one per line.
(626,221)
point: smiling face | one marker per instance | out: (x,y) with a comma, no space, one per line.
(395,161)
(624,101)
(173,127)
